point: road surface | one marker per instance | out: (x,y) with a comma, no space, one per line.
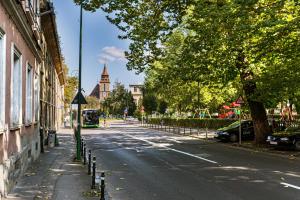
(145,164)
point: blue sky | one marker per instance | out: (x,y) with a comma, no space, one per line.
(100,44)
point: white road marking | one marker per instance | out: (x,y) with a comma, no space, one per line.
(290,185)
(171,149)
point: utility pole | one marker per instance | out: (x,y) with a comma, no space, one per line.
(78,142)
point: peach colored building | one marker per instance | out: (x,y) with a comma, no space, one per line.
(137,93)
(30,66)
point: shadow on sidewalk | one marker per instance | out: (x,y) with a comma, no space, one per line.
(54,175)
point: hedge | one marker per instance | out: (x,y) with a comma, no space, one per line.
(192,123)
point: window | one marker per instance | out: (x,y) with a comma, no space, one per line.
(16,88)
(104,87)
(2,79)
(135,89)
(29,74)
(36,97)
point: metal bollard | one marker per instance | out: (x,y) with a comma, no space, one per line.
(81,147)
(94,174)
(102,196)
(89,162)
(84,154)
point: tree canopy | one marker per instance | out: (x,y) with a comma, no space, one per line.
(248,47)
(119,100)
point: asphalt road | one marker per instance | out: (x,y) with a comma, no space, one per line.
(144,164)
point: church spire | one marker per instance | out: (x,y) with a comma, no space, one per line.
(104,72)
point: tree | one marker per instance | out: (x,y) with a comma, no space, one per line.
(162,107)
(93,103)
(249,39)
(70,86)
(119,100)
(253,41)
(149,103)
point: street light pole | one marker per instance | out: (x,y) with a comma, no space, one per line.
(78,142)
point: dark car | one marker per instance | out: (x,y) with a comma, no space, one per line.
(290,137)
(231,132)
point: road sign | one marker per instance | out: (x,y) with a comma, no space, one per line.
(79,98)
(240,100)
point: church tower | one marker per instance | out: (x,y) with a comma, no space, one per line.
(104,85)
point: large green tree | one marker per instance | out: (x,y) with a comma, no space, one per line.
(70,86)
(92,103)
(119,100)
(254,40)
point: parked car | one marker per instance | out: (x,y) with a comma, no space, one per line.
(290,137)
(131,119)
(231,132)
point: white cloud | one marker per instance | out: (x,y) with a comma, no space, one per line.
(110,54)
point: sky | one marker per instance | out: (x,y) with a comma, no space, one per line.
(100,45)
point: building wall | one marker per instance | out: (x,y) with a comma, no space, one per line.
(136,91)
(104,90)
(20,144)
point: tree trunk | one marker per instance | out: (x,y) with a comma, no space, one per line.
(257,109)
(260,121)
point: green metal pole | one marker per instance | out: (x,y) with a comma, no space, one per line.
(78,156)
(71,117)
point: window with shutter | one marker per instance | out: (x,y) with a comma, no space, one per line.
(28,110)
(16,88)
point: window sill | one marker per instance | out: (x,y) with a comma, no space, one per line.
(14,128)
(28,124)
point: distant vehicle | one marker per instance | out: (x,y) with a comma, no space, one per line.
(90,118)
(231,132)
(131,119)
(290,137)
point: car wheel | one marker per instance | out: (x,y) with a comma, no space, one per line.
(233,138)
(297,145)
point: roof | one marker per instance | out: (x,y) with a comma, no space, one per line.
(136,85)
(52,39)
(96,92)
(105,72)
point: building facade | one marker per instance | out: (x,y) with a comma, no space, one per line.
(102,89)
(137,93)
(29,68)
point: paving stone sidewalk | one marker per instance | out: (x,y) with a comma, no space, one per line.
(55,175)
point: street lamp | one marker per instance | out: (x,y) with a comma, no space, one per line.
(78,134)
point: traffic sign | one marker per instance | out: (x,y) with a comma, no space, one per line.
(240,100)
(79,98)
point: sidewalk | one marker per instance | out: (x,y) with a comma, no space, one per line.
(54,175)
